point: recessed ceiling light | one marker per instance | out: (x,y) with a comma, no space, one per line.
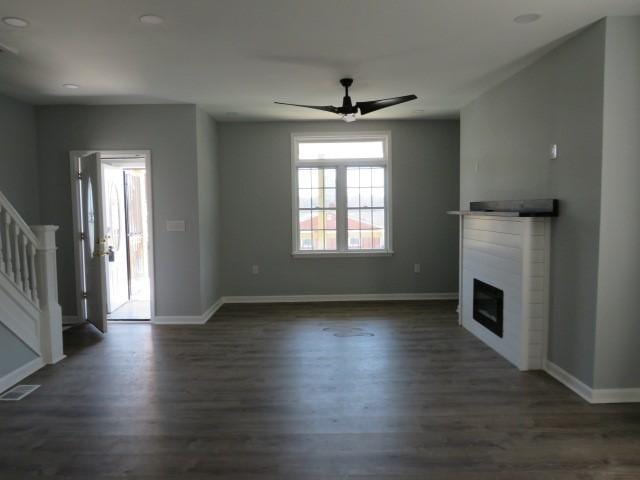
(16,22)
(71,86)
(527,18)
(150,19)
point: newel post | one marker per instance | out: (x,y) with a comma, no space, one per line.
(47,281)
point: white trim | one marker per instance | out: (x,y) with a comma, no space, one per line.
(341,190)
(20,373)
(71,320)
(592,395)
(355,253)
(209,312)
(568,380)
(357,297)
(74,155)
(189,319)
(616,395)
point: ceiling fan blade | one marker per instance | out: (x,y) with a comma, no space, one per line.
(373,105)
(325,108)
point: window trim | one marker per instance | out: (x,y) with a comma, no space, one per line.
(341,191)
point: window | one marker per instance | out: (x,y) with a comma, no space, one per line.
(341,194)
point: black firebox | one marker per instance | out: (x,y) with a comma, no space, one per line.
(488,302)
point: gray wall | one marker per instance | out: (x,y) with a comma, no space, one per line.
(618,329)
(505,140)
(256,219)
(18,159)
(208,209)
(169,132)
(13,352)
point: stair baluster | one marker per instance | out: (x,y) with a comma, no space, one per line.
(7,236)
(16,261)
(3,268)
(32,269)
(25,267)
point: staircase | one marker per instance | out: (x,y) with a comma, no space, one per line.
(28,290)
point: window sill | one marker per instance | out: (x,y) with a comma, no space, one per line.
(378,253)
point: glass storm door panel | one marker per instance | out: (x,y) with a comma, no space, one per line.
(95,247)
(115,229)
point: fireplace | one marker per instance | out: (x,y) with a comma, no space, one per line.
(488,306)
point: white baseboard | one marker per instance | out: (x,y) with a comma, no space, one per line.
(189,319)
(370,297)
(212,310)
(71,320)
(20,373)
(592,395)
(568,380)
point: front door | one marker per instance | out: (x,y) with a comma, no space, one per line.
(95,241)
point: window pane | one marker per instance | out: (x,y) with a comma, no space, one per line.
(377,177)
(317,178)
(377,197)
(306,242)
(304,178)
(340,150)
(330,242)
(330,177)
(304,220)
(317,198)
(353,177)
(378,239)
(353,239)
(365,219)
(353,217)
(365,177)
(378,218)
(353,197)
(330,198)
(365,197)
(318,240)
(317,220)
(365,239)
(304,198)
(330,219)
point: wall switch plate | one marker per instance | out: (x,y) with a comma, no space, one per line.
(255,269)
(175,226)
(416,268)
(553,152)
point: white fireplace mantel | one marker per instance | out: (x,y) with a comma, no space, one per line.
(510,253)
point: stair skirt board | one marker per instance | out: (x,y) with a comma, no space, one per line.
(20,373)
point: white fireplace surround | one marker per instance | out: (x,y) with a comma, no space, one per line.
(512,254)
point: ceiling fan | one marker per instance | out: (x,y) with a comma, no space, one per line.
(348,110)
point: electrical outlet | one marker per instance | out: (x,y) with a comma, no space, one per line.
(255,269)
(416,268)
(553,152)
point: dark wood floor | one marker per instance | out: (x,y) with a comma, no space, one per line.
(286,392)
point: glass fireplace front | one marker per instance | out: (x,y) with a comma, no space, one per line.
(488,306)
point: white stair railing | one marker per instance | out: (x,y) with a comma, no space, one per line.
(18,247)
(28,261)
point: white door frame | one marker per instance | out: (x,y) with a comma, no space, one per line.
(74,157)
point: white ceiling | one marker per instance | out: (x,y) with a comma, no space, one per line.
(241,55)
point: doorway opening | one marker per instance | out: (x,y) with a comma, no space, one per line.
(114,253)
(126,220)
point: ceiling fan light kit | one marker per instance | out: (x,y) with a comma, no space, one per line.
(348,110)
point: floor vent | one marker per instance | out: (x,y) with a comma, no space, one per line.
(348,332)
(18,393)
